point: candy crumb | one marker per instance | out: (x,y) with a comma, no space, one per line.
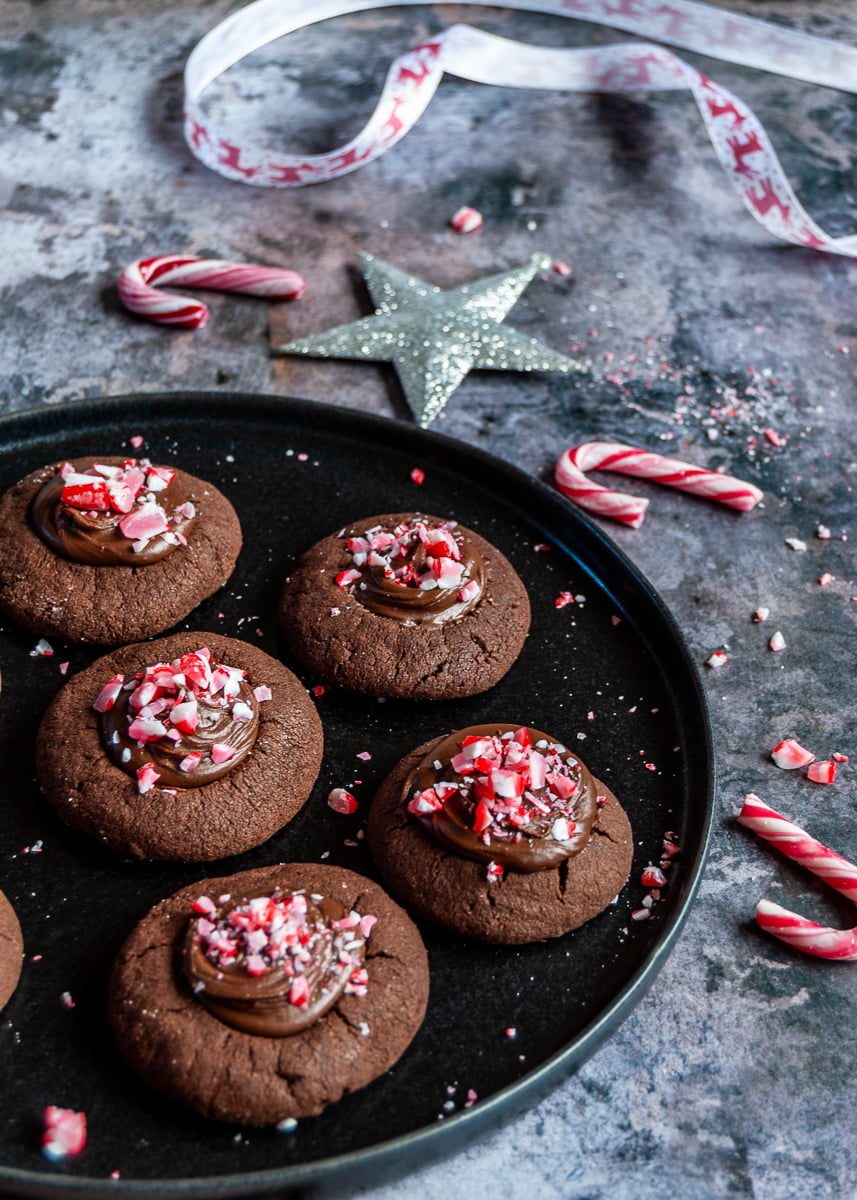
(472,1097)
(790,755)
(341,801)
(466,220)
(826,579)
(718,659)
(822,772)
(795,543)
(287,1125)
(511,1033)
(840,758)
(777,642)
(563,268)
(823,533)
(42,649)
(136,441)
(64,1132)
(761,614)
(418,476)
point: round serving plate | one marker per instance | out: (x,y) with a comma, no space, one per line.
(608,674)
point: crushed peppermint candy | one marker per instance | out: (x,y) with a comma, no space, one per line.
(718,658)
(822,772)
(519,799)
(342,801)
(129,493)
(777,642)
(192,703)
(292,933)
(418,476)
(421,555)
(789,755)
(42,649)
(761,614)
(466,220)
(64,1132)
(795,543)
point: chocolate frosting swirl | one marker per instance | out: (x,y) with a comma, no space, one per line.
(216,726)
(315,963)
(390,587)
(94,537)
(524,834)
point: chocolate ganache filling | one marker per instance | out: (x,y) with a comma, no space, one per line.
(274,965)
(424,571)
(181,724)
(116,512)
(506,795)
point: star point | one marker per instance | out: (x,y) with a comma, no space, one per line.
(433,336)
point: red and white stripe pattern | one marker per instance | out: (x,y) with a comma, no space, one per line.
(137,286)
(818,940)
(571,480)
(737,135)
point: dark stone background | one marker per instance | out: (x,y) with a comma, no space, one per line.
(735,1077)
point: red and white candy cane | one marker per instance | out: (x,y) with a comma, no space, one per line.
(138,294)
(627,460)
(818,940)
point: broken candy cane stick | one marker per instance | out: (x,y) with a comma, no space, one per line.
(139,296)
(627,460)
(819,940)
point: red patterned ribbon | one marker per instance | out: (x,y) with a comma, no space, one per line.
(737,135)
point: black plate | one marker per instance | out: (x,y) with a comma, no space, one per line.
(296,471)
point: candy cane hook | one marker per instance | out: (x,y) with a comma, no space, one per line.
(139,296)
(818,940)
(627,460)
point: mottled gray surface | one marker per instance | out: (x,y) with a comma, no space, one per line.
(735,1077)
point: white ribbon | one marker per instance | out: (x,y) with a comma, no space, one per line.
(738,137)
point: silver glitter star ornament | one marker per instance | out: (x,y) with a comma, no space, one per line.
(434,337)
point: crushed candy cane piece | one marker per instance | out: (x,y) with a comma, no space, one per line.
(42,649)
(653,877)
(563,268)
(826,579)
(795,543)
(823,533)
(823,771)
(64,1132)
(466,220)
(790,755)
(718,658)
(418,476)
(342,801)
(761,614)
(777,642)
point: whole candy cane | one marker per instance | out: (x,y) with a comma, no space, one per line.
(627,460)
(818,940)
(186,270)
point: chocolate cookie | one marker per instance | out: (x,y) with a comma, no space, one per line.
(189,748)
(112,552)
(251,1004)
(405,605)
(501,834)
(11,950)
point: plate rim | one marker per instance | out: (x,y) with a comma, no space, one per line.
(431,1143)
